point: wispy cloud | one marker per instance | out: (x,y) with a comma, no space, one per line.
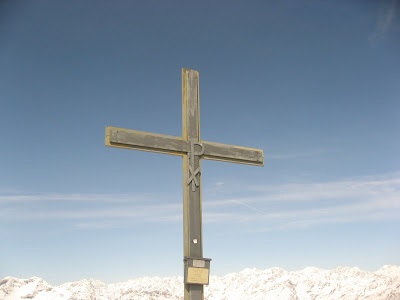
(90,211)
(387,14)
(139,213)
(361,188)
(369,198)
(270,207)
(40,197)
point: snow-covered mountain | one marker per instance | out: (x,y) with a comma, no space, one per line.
(274,283)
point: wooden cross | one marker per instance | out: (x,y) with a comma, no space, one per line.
(192,149)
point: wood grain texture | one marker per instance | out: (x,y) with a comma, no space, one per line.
(233,154)
(168,144)
(192,225)
(144,141)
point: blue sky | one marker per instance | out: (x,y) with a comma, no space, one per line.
(315,84)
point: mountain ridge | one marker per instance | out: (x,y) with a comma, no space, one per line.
(273,283)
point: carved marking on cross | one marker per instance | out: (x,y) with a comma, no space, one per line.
(193,175)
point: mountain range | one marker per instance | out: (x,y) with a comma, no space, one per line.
(273,283)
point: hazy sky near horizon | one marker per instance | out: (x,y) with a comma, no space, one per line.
(315,84)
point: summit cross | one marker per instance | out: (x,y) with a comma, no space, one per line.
(192,149)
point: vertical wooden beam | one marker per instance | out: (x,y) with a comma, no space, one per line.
(192,216)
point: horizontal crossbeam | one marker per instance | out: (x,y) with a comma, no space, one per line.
(233,154)
(167,144)
(145,141)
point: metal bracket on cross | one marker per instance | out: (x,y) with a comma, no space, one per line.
(193,174)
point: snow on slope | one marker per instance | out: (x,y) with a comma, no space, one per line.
(274,283)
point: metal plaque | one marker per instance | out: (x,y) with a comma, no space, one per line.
(197,275)
(199,263)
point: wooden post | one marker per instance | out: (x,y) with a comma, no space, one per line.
(192,218)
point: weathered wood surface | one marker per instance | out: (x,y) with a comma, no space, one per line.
(168,144)
(233,154)
(192,212)
(145,141)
